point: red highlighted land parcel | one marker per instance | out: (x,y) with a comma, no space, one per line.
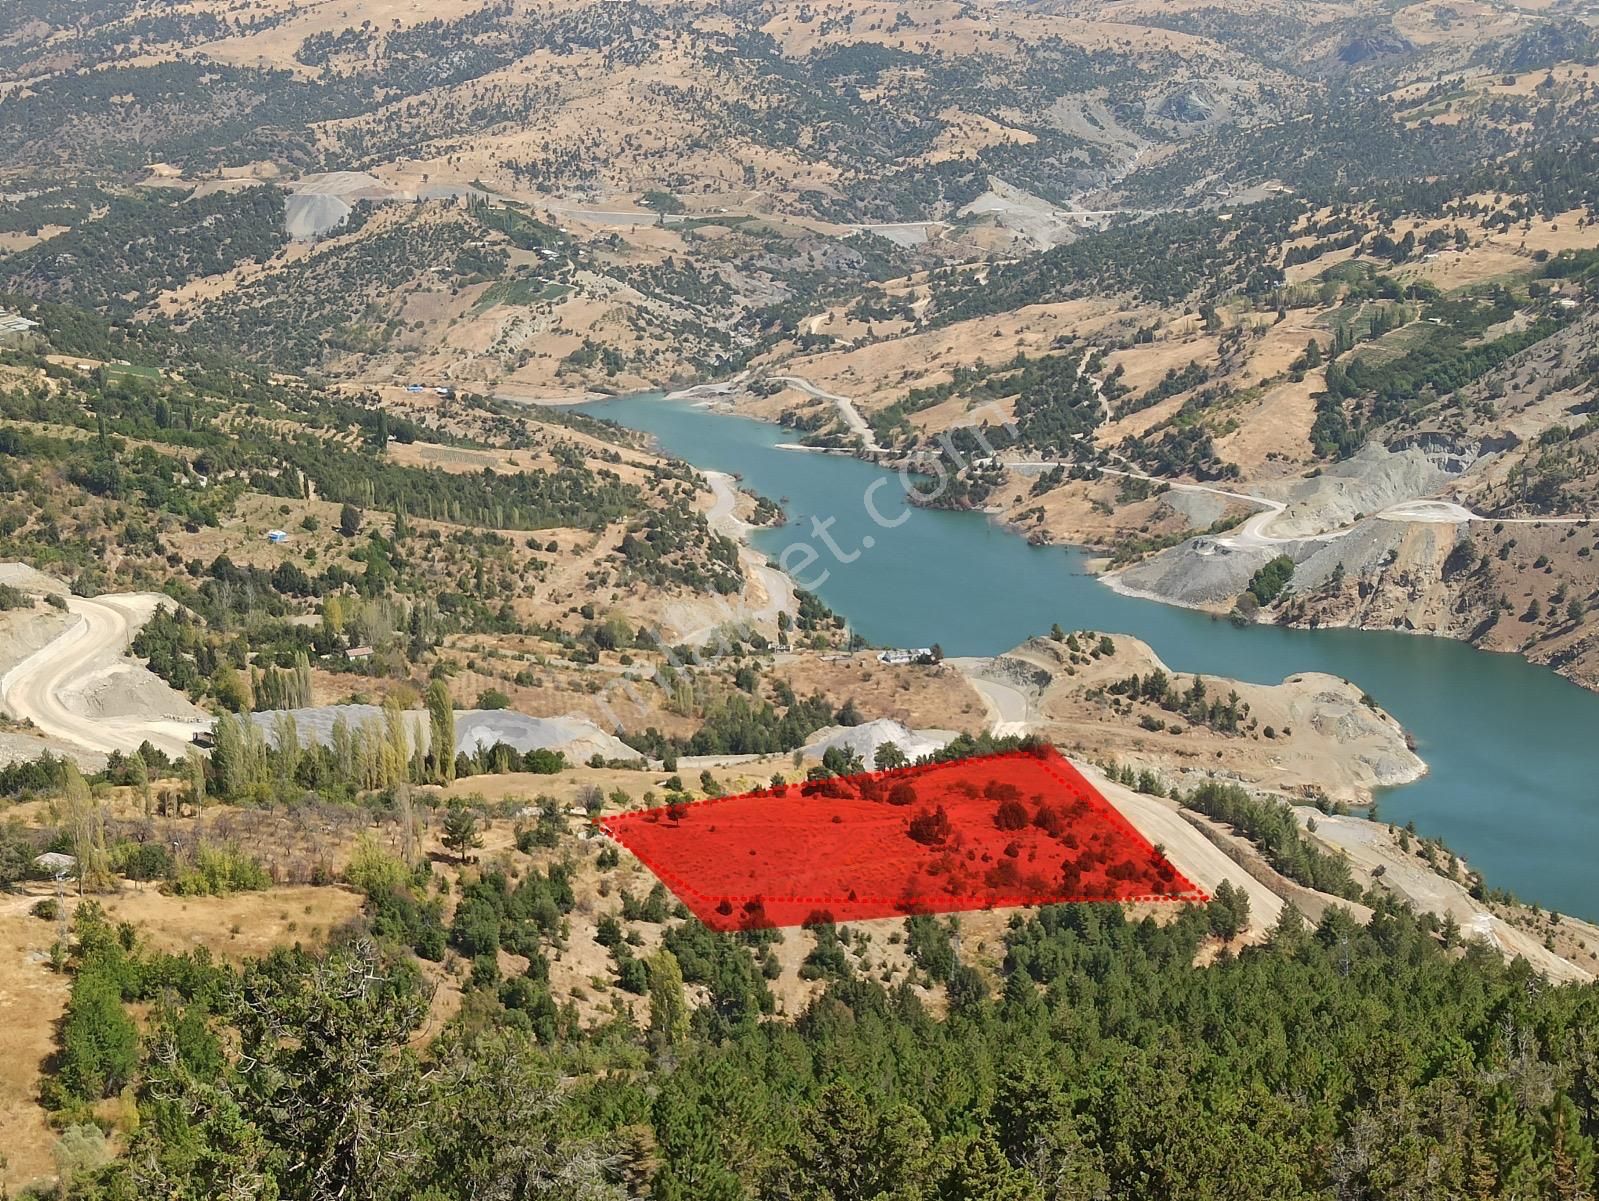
(991,831)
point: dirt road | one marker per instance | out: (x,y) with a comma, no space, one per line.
(1255,531)
(1190,852)
(777,587)
(846,410)
(38,688)
(1372,850)
(1447,512)
(1010,709)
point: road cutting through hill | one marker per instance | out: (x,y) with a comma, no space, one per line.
(48,687)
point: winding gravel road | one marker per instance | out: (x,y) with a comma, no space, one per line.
(857,424)
(1253,532)
(1010,710)
(36,688)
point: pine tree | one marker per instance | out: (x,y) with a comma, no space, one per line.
(1571,1154)
(1290,934)
(460,830)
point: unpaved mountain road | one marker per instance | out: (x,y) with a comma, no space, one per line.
(1253,532)
(1374,851)
(38,688)
(851,415)
(1190,852)
(1449,513)
(1010,709)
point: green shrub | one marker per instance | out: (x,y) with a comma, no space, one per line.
(142,860)
(1267,584)
(99,1042)
(82,1148)
(374,870)
(219,871)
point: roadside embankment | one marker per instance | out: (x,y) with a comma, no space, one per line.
(80,688)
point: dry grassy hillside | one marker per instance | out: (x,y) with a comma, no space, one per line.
(580,197)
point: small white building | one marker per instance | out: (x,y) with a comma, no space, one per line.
(15,324)
(896,657)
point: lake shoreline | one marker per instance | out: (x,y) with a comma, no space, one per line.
(979,591)
(725,391)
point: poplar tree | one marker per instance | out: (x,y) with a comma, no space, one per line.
(86,823)
(397,739)
(668,1008)
(194,772)
(139,771)
(343,743)
(300,697)
(286,737)
(405,816)
(228,757)
(441,722)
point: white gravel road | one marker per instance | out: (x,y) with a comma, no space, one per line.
(851,415)
(40,687)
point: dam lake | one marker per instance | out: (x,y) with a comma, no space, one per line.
(1512,749)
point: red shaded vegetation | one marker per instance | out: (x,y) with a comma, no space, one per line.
(1020,828)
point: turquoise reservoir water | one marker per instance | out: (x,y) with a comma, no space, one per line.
(1513,749)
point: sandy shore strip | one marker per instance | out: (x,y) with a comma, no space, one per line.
(773,591)
(724,391)
(549,402)
(1113,581)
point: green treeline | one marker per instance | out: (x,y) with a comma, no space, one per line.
(1162,260)
(1437,367)
(1094,1060)
(743,725)
(1271,826)
(1222,714)
(528,500)
(1268,582)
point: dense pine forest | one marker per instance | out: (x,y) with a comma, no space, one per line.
(1101,1061)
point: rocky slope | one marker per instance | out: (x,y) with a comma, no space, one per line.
(1311,735)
